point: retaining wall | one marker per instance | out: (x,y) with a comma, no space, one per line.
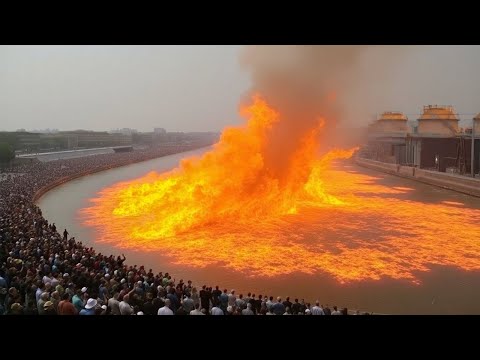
(453,182)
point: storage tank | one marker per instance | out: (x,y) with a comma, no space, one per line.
(391,122)
(438,120)
(477,123)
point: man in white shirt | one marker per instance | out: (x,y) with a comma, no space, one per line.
(188,304)
(114,305)
(248,310)
(125,307)
(197,310)
(232,298)
(217,311)
(166,309)
(240,303)
(317,309)
(335,311)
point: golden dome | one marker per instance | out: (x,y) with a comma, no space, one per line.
(393,115)
(438,112)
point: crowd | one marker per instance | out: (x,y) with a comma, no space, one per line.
(43,271)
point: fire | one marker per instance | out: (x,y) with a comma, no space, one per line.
(233,208)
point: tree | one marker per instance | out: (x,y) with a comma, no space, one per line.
(6,152)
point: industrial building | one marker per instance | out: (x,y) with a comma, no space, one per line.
(435,142)
(387,138)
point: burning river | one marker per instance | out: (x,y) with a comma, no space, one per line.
(233,210)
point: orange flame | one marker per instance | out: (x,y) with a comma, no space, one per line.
(230,208)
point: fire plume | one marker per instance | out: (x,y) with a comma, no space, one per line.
(231,183)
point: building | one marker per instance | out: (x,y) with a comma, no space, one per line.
(21,141)
(435,142)
(91,139)
(386,138)
(124,131)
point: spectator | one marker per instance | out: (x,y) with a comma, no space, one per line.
(248,310)
(197,310)
(165,310)
(89,307)
(335,311)
(65,307)
(317,309)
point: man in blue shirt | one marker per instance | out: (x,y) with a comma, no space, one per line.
(89,307)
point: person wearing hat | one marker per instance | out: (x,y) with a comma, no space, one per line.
(89,307)
(16,309)
(49,308)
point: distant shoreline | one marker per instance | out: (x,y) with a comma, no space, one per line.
(42,191)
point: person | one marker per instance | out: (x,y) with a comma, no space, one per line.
(65,235)
(335,311)
(125,307)
(278,308)
(188,304)
(16,309)
(114,305)
(65,307)
(317,309)
(89,307)
(165,310)
(248,310)
(197,310)
(217,311)
(49,308)
(327,310)
(77,300)
(181,311)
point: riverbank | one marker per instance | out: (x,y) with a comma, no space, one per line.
(453,182)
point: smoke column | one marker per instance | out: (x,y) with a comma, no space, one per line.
(305,83)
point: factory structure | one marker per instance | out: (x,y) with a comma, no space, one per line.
(434,141)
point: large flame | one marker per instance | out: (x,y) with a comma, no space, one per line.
(231,183)
(232,208)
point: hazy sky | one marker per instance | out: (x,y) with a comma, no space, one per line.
(197,88)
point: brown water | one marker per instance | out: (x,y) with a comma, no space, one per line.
(415,278)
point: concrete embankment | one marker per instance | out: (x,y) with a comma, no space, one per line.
(453,182)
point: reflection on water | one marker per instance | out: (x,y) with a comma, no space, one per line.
(395,246)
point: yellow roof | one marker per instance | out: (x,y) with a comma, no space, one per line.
(438,112)
(393,115)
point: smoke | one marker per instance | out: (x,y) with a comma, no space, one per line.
(306,83)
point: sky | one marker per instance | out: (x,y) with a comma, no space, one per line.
(198,88)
